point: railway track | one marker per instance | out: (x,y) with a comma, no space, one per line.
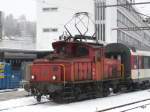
(132,106)
(120,108)
(38,103)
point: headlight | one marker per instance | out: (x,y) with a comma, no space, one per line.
(13,76)
(54,77)
(32,77)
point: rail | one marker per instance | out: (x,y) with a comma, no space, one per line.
(124,105)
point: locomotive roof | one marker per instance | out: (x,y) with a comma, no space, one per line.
(92,45)
(118,47)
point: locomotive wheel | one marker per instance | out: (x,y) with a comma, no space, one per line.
(63,99)
(64,96)
(143,86)
(116,90)
(77,93)
(57,99)
(38,98)
(130,88)
(106,91)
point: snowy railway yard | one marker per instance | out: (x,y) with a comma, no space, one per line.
(126,102)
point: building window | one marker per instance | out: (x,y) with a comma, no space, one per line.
(100,10)
(48,9)
(99,17)
(50,30)
(146,62)
(104,32)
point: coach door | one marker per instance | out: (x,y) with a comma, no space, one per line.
(138,66)
(135,67)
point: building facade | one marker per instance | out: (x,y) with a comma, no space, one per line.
(53,14)
(1,24)
(128,17)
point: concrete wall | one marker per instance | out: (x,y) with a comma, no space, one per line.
(111,22)
(57,19)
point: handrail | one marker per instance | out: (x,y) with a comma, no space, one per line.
(64,73)
(122,71)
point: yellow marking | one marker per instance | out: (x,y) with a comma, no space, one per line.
(64,72)
(122,71)
(1,71)
(1,77)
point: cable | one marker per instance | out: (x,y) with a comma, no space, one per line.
(127,4)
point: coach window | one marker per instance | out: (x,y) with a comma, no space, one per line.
(62,50)
(146,62)
(135,62)
(149,62)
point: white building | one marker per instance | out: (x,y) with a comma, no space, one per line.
(54,14)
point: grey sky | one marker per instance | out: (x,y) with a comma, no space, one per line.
(19,7)
(28,7)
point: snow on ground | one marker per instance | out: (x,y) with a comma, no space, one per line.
(7,90)
(12,94)
(10,90)
(22,104)
(16,102)
(20,89)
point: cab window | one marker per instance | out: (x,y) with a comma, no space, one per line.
(82,51)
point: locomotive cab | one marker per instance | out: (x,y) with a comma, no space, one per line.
(71,49)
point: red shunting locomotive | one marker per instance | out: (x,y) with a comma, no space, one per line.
(78,70)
